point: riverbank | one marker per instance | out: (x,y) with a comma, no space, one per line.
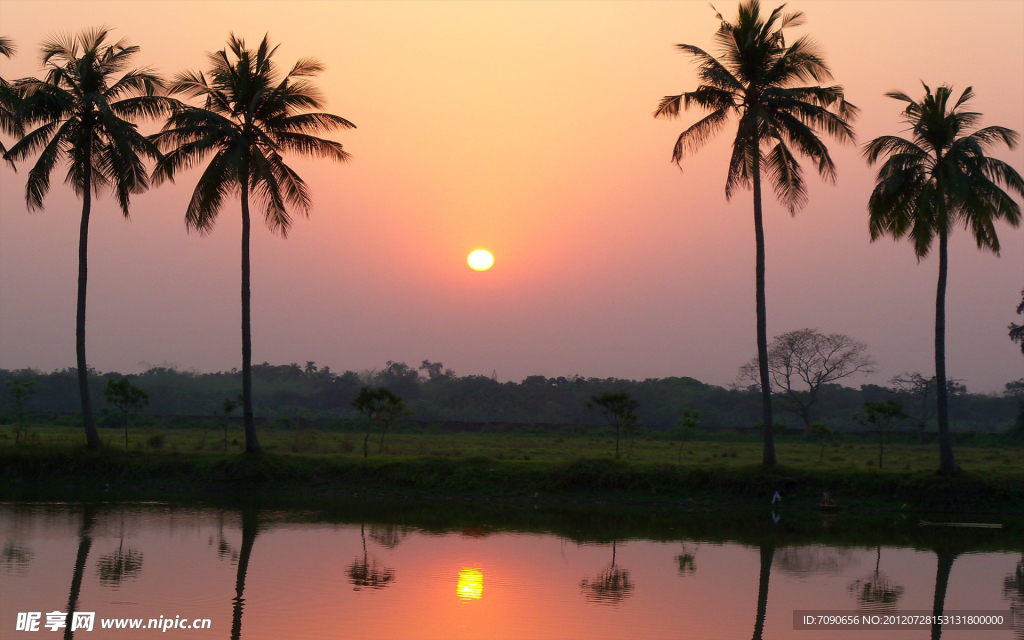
(142,475)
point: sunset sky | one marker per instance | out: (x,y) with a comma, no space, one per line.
(524,128)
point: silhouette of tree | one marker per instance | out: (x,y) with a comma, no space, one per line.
(127,398)
(21,391)
(690,422)
(939,179)
(879,417)
(611,586)
(85,116)
(755,78)
(378,405)
(227,408)
(920,389)
(251,115)
(364,574)
(619,409)
(9,121)
(811,359)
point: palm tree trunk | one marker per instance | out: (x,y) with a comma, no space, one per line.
(768,458)
(767,555)
(252,445)
(946,462)
(92,437)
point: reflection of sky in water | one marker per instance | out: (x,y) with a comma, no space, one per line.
(298,580)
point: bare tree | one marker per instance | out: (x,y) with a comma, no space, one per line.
(801,362)
(920,389)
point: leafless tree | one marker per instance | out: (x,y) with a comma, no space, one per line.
(921,390)
(801,362)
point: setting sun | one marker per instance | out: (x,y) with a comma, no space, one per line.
(480,260)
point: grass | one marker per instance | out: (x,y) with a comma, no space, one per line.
(520,465)
(793,451)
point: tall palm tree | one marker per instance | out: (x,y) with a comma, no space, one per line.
(9,122)
(251,115)
(85,115)
(936,180)
(759,80)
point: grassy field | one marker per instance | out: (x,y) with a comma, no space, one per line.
(793,451)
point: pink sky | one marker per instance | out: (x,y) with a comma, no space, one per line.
(524,128)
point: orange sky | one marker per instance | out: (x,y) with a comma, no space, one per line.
(524,128)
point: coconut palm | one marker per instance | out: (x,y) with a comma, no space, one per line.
(85,115)
(251,115)
(759,80)
(8,99)
(938,179)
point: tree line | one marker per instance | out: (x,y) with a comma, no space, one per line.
(307,392)
(82,113)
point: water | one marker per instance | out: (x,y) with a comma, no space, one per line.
(264,573)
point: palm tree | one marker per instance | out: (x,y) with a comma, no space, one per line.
(251,115)
(936,180)
(758,79)
(85,119)
(8,99)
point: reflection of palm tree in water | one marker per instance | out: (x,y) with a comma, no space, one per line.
(942,570)
(767,555)
(84,544)
(877,592)
(611,586)
(250,524)
(1013,590)
(371,575)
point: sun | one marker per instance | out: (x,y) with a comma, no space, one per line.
(480,260)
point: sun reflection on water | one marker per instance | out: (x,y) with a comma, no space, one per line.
(471,584)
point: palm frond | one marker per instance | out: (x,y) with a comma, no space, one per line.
(785,175)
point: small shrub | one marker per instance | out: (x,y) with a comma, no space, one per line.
(156,441)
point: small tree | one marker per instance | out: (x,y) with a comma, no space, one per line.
(378,405)
(391,409)
(821,433)
(230,404)
(618,408)
(21,391)
(801,362)
(126,397)
(879,417)
(690,422)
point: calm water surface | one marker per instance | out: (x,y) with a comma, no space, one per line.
(271,574)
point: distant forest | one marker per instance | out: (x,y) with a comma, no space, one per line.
(293,394)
